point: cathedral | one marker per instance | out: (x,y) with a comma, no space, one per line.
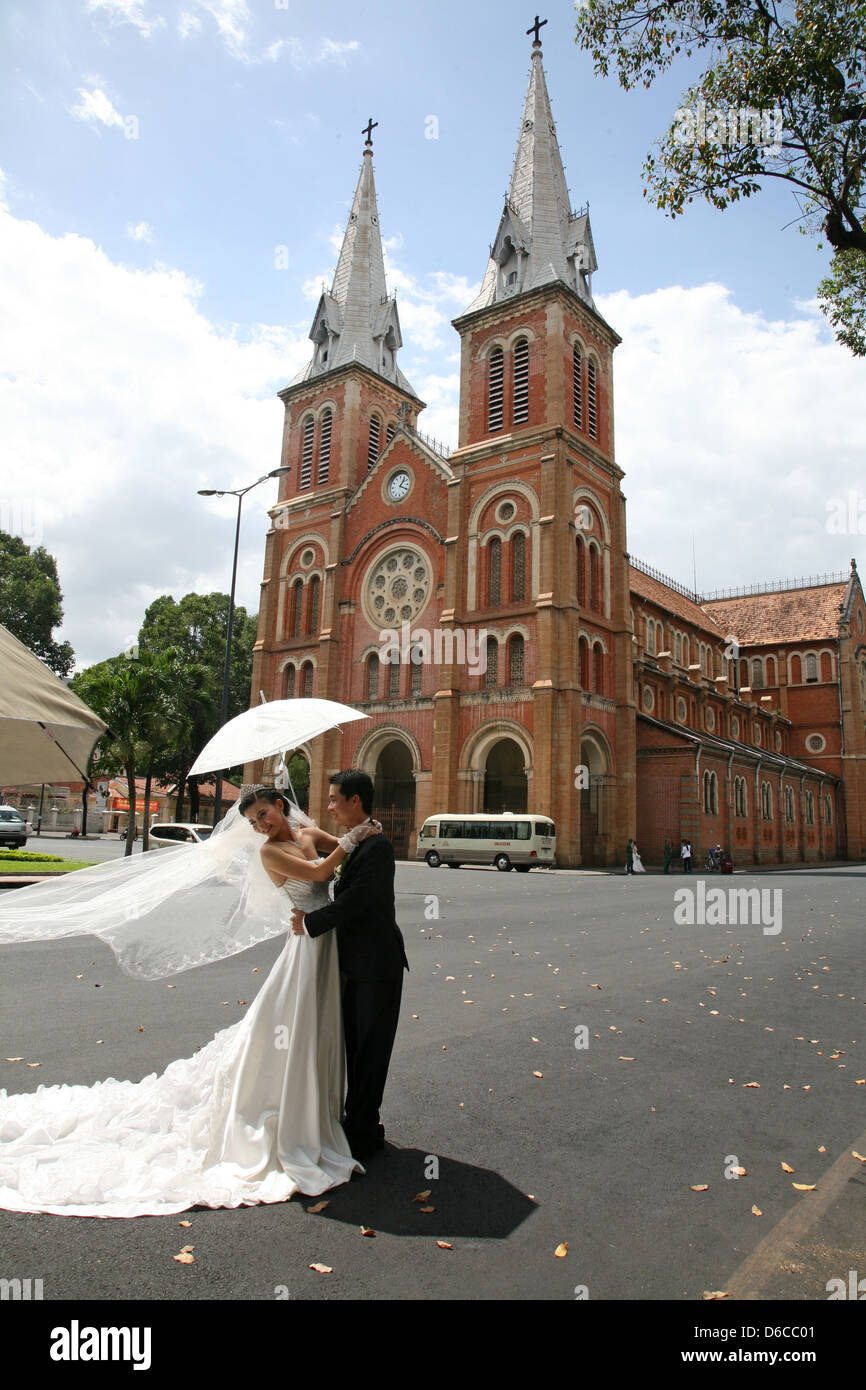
(480,604)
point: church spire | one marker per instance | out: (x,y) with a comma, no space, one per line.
(357,321)
(539,240)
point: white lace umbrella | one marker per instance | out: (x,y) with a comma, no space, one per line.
(265,730)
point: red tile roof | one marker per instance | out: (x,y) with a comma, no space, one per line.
(790,615)
(653,591)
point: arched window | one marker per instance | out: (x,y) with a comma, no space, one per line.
(598,669)
(686,657)
(592,409)
(811,667)
(789,805)
(796,670)
(766,801)
(373,441)
(595,600)
(373,676)
(313,612)
(581,572)
(324,446)
(583,654)
(520,386)
(650,637)
(757,673)
(307,452)
(772,676)
(289,682)
(494,390)
(394,677)
(416,670)
(678,648)
(711,793)
(495,572)
(810,808)
(307,679)
(515,660)
(491,675)
(577,382)
(826,666)
(518,567)
(828,810)
(297,602)
(741,804)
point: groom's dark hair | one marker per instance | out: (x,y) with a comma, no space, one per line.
(353,782)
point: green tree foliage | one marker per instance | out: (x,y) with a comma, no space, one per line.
(781,96)
(30,601)
(194,630)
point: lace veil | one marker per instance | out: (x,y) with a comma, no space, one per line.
(165,911)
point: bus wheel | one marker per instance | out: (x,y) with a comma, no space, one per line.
(503,863)
(523,868)
(433,859)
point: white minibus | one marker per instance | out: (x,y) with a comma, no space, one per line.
(510,840)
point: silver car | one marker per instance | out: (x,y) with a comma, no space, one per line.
(166,833)
(13,828)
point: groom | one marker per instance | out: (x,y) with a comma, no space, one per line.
(372,959)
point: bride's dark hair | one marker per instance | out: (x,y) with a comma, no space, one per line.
(276,798)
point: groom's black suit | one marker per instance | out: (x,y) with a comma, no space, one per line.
(372,961)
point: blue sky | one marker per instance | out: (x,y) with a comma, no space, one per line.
(156,154)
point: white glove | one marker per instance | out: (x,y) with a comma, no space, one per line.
(353,837)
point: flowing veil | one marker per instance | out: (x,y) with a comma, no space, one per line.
(165,911)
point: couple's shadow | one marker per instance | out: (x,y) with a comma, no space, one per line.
(467,1201)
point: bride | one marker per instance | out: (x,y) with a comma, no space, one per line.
(254,1115)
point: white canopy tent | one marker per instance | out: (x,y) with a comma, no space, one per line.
(46,732)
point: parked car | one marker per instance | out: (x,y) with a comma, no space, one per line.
(166,833)
(13,828)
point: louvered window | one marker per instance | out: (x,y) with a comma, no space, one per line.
(521,382)
(325,447)
(290,683)
(592,410)
(389,433)
(491,675)
(307,673)
(373,446)
(313,616)
(518,567)
(373,677)
(307,453)
(515,663)
(578,388)
(394,678)
(495,572)
(494,391)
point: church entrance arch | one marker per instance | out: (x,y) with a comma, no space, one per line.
(595,810)
(392,758)
(505,778)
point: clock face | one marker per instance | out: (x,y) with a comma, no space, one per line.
(399,486)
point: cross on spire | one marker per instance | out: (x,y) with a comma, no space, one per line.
(368,131)
(534,28)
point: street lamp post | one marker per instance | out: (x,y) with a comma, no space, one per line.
(240,493)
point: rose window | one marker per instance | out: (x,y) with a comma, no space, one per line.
(397,587)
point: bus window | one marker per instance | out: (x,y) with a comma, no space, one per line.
(545,828)
(429,831)
(522,830)
(453,830)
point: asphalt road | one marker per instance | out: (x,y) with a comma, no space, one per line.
(707,1048)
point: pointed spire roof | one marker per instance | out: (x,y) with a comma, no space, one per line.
(357,321)
(539,240)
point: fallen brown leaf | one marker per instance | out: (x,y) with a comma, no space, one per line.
(756,1211)
(714,1293)
(786,1168)
(422,1196)
(561,1250)
(314,1211)
(367,1231)
(321,1269)
(804,1186)
(700,1187)
(443,1245)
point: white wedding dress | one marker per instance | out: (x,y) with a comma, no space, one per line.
(252,1117)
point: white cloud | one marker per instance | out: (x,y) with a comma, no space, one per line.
(141,231)
(128,12)
(334,52)
(233,20)
(96,108)
(734,430)
(119,400)
(188,24)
